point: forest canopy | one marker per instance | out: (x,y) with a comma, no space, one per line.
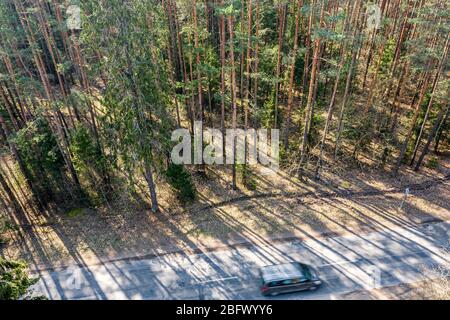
(91,90)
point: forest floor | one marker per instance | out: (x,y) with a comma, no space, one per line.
(342,202)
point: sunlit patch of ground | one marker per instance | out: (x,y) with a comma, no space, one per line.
(431,289)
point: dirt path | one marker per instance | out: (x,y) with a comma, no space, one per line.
(324,194)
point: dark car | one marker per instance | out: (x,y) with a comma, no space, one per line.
(288,277)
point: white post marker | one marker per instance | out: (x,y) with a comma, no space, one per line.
(407,191)
(374,274)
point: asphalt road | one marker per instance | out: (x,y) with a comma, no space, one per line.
(389,257)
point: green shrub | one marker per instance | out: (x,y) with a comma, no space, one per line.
(180,180)
(388,55)
(315,133)
(247,177)
(91,164)
(433,163)
(86,152)
(268,113)
(42,158)
(75,213)
(14,280)
(5,226)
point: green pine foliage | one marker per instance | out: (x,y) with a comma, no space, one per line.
(181,181)
(15,282)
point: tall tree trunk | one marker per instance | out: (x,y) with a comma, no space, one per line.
(430,104)
(396,102)
(247,81)
(373,84)
(23,168)
(355,11)
(440,132)
(241,58)
(233,94)
(173,85)
(282,18)
(431,136)
(197,66)
(307,52)
(412,125)
(310,101)
(63,144)
(222,75)
(256,65)
(182,62)
(292,74)
(141,124)
(369,57)
(400,40)
(199,80)
(351,71)
(11,196)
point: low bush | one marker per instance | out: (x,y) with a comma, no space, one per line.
(180,180)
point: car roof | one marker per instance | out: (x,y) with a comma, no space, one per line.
(282,271)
